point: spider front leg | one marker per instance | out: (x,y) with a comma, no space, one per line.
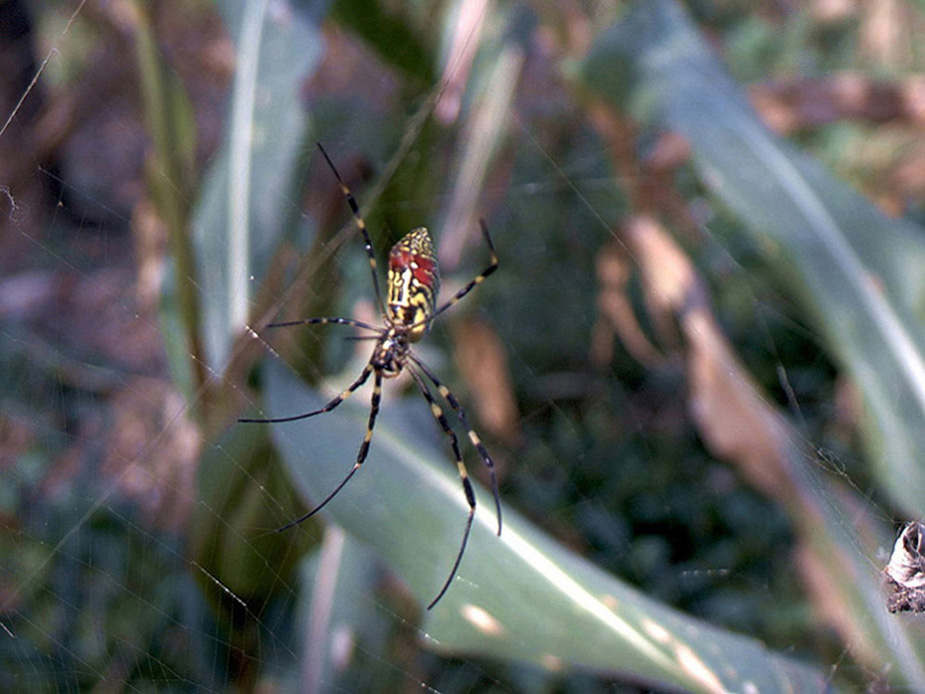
(463,476)
(325,321)
(474,282)
(364,375)
(361,454)
(361,225)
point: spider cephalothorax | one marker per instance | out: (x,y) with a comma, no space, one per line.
(391,353)
(409,311)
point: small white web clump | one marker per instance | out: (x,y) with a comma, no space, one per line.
(906,570)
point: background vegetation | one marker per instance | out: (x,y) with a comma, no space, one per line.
(699,367)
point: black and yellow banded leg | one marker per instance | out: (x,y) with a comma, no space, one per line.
(361,225)
(473,436)
(473,283)
(361,454)
(463,477)
(364,375)
(326,321)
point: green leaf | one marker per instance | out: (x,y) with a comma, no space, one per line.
(520,596)
(340,604)
(857,272)
(243,497)
(172,183)
(250,197)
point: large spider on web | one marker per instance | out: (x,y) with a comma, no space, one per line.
(413,284)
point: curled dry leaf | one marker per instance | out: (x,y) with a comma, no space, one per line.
(483,364)
(616,311)
(734,421)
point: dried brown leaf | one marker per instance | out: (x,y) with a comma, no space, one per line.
(616,311)
(734,421)
(482,362)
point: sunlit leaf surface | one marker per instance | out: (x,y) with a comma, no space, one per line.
(407,503)
(248,199)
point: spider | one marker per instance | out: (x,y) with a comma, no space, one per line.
(413,284)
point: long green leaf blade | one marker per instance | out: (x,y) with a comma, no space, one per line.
(247,204)
(520,596)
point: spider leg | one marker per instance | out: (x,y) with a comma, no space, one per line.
(473,436)
(475,281)
(463,476)
(361,454)
(361,225)
(364,375)
(326,321)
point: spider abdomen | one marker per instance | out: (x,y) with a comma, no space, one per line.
(413,283)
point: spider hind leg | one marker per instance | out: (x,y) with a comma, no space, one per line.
(364,447)
(437,412)
(473,436)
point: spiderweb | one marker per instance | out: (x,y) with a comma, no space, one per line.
(139,517)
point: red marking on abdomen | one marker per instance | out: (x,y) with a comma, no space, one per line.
(424,273)
(401,259)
